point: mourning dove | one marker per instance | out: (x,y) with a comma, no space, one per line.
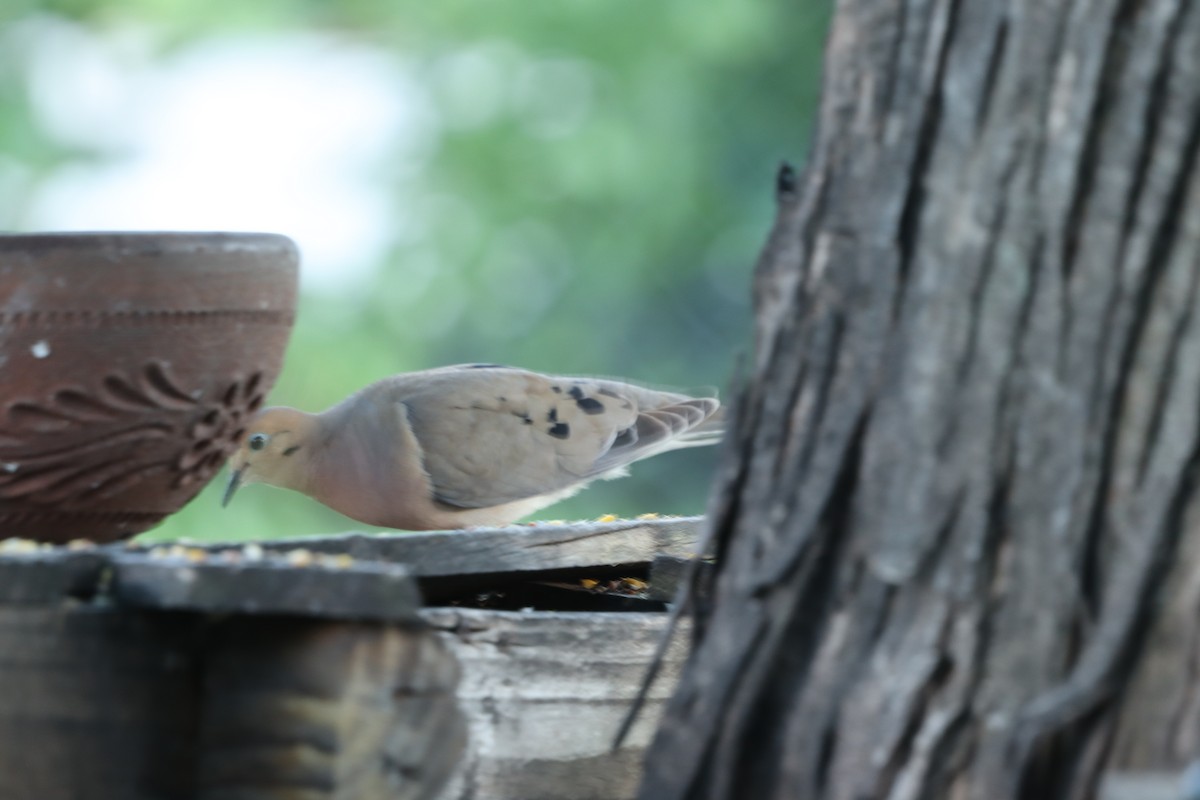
(466,445)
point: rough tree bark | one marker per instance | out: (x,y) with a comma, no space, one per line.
(967,446)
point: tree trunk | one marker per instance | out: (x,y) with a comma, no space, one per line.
(966,451)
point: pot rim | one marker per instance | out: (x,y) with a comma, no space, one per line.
(147,241)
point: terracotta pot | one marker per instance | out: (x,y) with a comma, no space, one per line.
(128,364)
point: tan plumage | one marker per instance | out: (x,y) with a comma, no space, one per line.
(466,445)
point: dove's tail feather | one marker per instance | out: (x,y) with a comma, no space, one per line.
(669,427)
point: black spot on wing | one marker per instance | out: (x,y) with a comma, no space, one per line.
(590,405)
(576,392)
(608,393)
(552,416)
(556,389)
(560,430)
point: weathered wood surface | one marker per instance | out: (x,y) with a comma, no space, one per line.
(96,705)
(271,702)
(196,581)
(452,565)
(48,576)
(178,673)
(519,548)
(103,702)
(968,446)
(370,580)
(298,709)
(363,590)
(545,693)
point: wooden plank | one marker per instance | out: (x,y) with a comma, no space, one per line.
(96,704)
(272,585)
(310,710)
(544,694)
(521,548)
(110,702)
(48,575)
(299,709)
(366,581)
(180,578)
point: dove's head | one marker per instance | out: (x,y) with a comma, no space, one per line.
(272,451)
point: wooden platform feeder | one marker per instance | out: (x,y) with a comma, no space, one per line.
(312,668)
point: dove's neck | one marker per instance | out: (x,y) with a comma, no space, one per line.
(364,465)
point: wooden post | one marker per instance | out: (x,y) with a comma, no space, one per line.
(337,691)
(307,669)
(97,704)
(544,694)
(298,708)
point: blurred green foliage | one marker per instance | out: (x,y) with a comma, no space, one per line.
(615,236)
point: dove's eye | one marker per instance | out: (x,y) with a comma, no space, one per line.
(258,441)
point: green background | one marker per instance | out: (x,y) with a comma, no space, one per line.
(620,246)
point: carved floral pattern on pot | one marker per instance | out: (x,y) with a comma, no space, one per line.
(135,427)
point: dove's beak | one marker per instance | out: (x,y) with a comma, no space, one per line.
(235,480)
